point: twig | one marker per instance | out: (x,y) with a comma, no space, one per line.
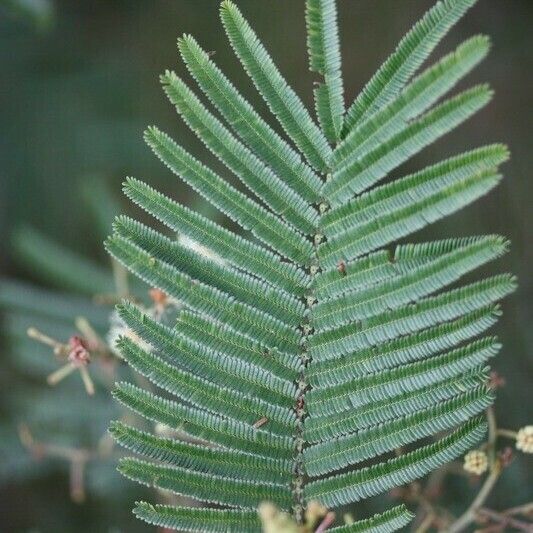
(77,477)
(506,520)
(470,514)
(328,520)
(426,507)
(78,458)
(525,509)
(426,523)
(507,433)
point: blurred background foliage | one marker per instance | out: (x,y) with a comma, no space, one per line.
(79,85)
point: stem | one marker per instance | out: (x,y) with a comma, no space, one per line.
(526,510)
(299,442)
(77,477)
(426,510)
(328,520)
(78,458)
(426,523)
(495,469)
(509,433)
(505,520)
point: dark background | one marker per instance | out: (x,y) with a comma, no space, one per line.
(80,83)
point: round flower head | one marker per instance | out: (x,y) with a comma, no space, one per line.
(524,439)
(476,462)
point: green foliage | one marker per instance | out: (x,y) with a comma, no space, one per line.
(315,347)
(60,266)
(280,98)
(411,52)
(325,59)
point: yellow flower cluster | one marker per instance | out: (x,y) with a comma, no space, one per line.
(524,439)
(476,462)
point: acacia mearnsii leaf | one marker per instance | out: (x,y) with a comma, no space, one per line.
(369,443)
(243,287)
(201,297)
(247,123)
(386,522)
(416,98)
(201,458)
(205,487)
(316,309)
(325,427)
(204,394)
(325,58)
(231,369)
(259,178)
(416,135)
(198,519)
(243,254)
(427,312)
(411,52)
(362,483)
(236,205)
(223,430)
(409,286)
(279,96)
